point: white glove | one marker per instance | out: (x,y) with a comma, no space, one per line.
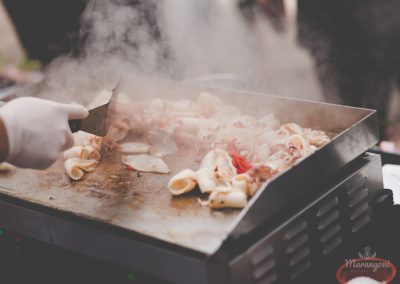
(38,130)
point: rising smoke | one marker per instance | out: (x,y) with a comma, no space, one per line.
(185,40)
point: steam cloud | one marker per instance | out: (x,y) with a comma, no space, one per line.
(175,39)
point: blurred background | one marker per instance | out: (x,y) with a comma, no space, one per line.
(333,51)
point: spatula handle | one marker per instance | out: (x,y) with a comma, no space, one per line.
(75,125)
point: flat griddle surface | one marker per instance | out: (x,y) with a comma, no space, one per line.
(139,202)
(142,203)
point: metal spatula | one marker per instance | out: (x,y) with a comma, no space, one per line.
(98,120)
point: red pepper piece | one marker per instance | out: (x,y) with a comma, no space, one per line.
(240,163)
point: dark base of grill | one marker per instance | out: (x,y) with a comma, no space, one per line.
(313,238)
(317,231)
(23,260)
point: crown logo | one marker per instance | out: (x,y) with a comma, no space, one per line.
(367,253)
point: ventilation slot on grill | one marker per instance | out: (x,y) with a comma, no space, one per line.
(269,279)
(328,216)
(361,223)
(358,204)
(327,206)
(356,185)
(263,262)
(299,256)
(300,269)
(297,248)
(297,243)
(259,254)
(263,269)
(331,245)
(358,196)
(295,230)
(332,231)
(362,208)
(327,220)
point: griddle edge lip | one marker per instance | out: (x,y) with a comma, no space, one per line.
(177,265)
(101,226)
(247,222)
(331,183)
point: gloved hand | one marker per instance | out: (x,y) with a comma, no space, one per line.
(38,130)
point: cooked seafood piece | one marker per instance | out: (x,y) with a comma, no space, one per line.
(134,148)
(316,137)
(6,168)
(291,128)
(262,153)
(136,125)
(208,134)
(173,117)
(209,160)
(279,161)
(193,124)
(242,182)
(273,138)
(118,129)
(224,166)
(86,139)
(74,152)
(82,138)
(244,121)
(298,146)
(76,167)
(254,187)
(215,169)
(269,122)
(226,114)
(241,136)
(82,152)
(227,198)
(258,175)
(146,163)
(181,105)
(207,104)
(262,173)
(206,179)
(182,182)
(91,153)
(96,142)
(117,134)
